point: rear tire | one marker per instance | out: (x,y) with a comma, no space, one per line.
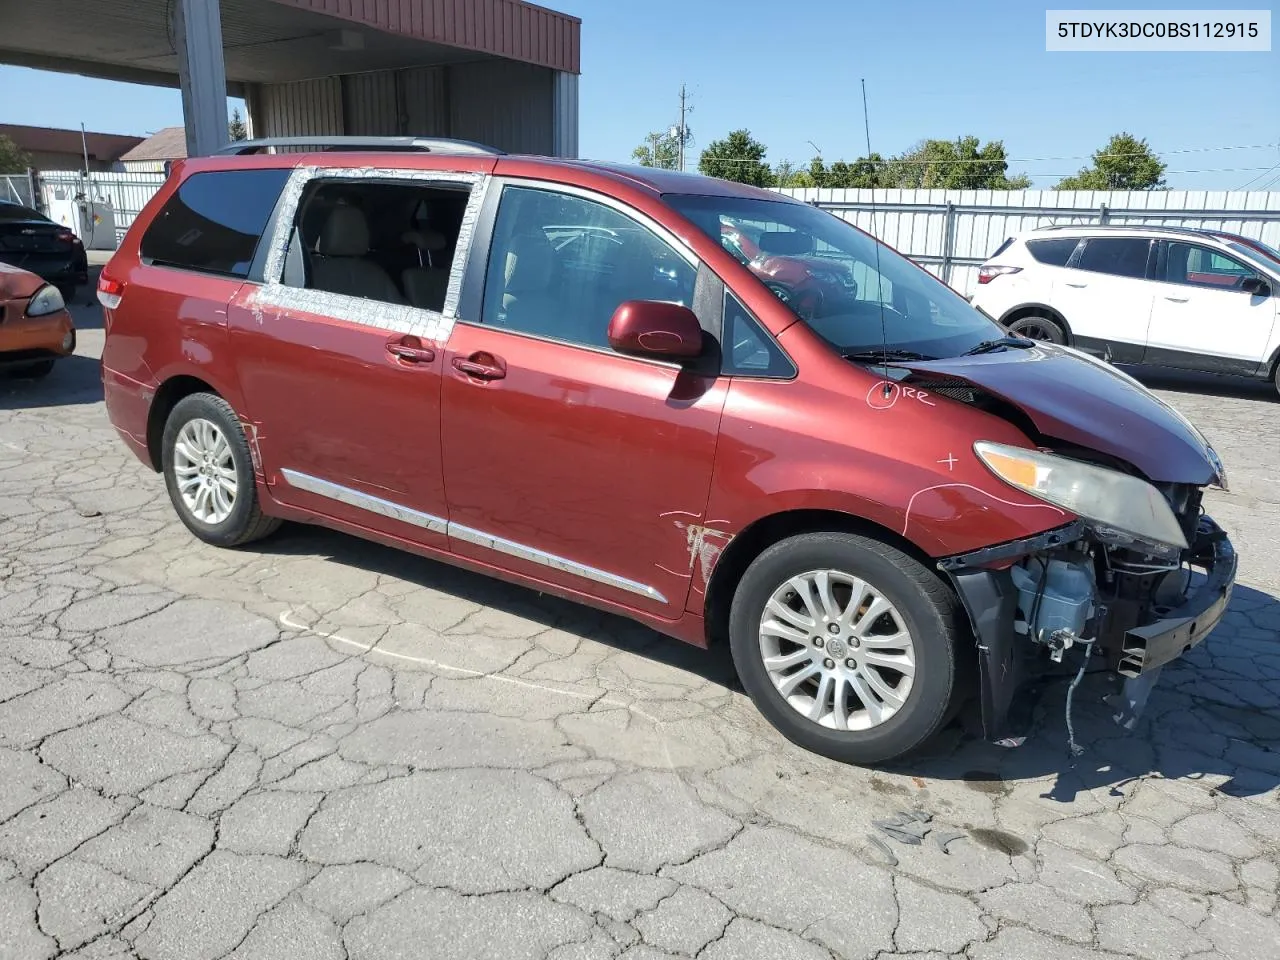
(1036,327)
(774,641)
(209,473)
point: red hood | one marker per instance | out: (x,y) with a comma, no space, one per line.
(16,284)
(1077,399)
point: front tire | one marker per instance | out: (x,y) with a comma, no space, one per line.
(847,645)
(1039,328)
(209,473)
(34,371)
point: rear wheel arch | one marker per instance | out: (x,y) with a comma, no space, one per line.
(167,397)
(1038,310)
(764,533)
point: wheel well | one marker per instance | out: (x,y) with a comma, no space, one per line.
(166,398)
(1037,310)
(767,531)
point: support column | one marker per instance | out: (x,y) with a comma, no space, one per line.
(564,115)
(197,33)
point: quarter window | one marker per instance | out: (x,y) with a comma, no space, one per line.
(1118,256)
(560,265)
(1198,266)
(1055,252)
(749,351)
(214,221)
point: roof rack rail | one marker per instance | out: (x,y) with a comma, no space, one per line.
(390,144)
(1125,226)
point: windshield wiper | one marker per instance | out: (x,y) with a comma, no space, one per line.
(989,346)
(878,354)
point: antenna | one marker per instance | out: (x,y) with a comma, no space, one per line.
(884,337)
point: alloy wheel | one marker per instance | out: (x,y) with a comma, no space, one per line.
(837,650)
(205,471)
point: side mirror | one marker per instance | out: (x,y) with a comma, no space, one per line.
(651,328)
(1256,286)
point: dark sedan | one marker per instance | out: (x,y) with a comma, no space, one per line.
(31,241)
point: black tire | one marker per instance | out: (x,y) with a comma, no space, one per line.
(926,607)
(33,371)
(246,522)
(1037,327)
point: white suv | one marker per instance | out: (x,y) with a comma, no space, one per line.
(1175,297)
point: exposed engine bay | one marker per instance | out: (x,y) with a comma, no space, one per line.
(1090,591)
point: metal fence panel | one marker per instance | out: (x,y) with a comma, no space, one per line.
(127,193)
(951,232)
(16,188)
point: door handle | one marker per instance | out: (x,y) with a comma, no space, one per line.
(410,350)
(1076,285)
(1177,299)
(482,366)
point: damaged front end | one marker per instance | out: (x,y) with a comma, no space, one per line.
(1118,599)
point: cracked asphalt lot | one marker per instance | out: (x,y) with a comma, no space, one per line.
(321,748)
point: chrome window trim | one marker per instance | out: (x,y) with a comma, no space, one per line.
(273,295)
(387,508)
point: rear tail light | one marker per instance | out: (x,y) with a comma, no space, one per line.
(66,236)
(988,273)
(110,291)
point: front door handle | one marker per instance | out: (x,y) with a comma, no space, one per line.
(1177,299)
(482,366)
(410,350)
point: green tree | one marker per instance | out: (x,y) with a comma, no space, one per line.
(739,157)
(659,150)
(1125,163)
(236,130)
(960,164)
(12,159)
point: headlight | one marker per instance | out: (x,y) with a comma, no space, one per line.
(1109,497)
(46,300)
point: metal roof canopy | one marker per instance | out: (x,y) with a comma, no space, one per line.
(275,41)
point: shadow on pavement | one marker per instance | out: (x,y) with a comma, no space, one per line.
(1215,714)
(614,631)
(74,380)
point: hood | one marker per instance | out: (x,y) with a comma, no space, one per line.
(17,284)
(1078,399)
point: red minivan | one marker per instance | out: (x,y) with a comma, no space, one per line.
(553,371)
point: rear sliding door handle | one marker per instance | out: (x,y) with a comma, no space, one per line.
(481,366)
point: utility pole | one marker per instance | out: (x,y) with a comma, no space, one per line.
(684,127)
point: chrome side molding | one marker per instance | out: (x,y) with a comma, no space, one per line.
(387,508)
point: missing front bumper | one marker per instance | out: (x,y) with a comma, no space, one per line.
(1006,658)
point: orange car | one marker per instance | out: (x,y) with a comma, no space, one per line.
(35,326)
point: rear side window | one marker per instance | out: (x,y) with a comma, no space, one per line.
(1055,252)
(1119,256)
(214,221)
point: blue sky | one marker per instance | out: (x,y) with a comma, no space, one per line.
(789,72)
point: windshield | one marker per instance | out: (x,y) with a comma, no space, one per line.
(828,273)
(1267,256)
